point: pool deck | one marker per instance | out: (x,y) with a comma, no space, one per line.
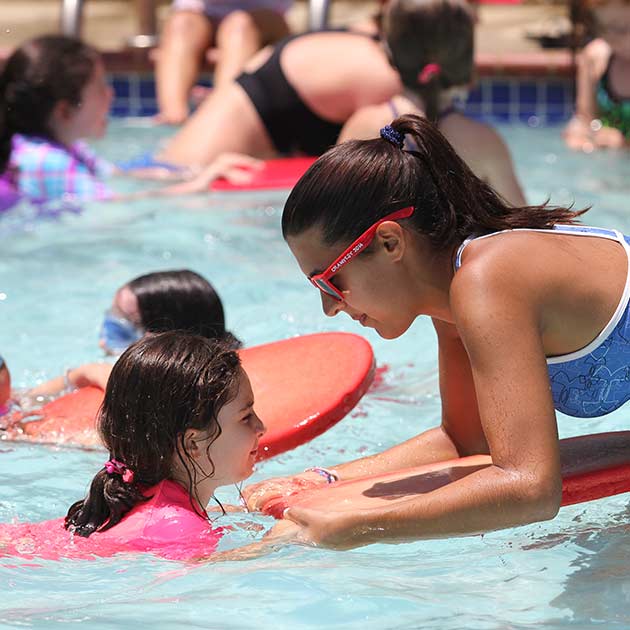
(502,43)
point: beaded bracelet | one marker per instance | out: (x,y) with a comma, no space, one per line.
(331,475)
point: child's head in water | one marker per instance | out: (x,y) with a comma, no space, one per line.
(161,301)
(177,407)
(53,87)
(431,45)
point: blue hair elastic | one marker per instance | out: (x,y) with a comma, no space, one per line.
(391,135)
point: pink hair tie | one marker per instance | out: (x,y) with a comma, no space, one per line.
(428,72)
(114,467)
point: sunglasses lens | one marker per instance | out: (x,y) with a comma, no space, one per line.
(323,286)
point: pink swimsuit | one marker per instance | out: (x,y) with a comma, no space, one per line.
(165,525)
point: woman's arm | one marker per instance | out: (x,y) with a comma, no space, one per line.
(502,338)
(460,433)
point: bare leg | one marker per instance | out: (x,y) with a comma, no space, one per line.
(241,34)
(226,121)
(185,37)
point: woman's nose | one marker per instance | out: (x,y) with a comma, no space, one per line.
(330,306)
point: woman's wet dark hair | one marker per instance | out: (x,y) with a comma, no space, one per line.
(422,32)
(161,386)
(356,183)
(38,75)
(180,300)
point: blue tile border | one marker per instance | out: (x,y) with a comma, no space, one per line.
(538,101)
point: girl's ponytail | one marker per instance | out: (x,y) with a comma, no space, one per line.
(110,497)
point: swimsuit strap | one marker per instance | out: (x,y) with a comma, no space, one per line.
(575,230)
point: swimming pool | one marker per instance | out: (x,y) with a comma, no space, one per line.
(57,277)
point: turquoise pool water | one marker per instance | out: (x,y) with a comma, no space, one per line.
(57,277)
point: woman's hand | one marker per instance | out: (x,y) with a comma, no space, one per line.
(334,530)
(236,168)
(260,494)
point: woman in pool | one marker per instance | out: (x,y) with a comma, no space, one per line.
(334,83)
(602,116)
(531,313)
(178,421)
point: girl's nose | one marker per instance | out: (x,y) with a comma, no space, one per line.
(261,429)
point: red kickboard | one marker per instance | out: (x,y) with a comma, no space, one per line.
(587,480)
(302,386)
(277,174)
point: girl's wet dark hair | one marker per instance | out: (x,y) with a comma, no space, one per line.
(161,386)
(422,32)
(356,183)
(180,300)
(38,75)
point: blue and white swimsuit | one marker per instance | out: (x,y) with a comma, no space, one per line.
(594,380)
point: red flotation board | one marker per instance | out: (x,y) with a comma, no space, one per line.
(598,470)
(302,386)
(275,175)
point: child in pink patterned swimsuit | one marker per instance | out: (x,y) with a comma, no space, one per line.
(53,94)
(236,28)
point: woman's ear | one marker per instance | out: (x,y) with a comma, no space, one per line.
(392,238)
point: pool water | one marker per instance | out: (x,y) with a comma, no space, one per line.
(56,279)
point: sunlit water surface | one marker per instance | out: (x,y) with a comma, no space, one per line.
(57,277)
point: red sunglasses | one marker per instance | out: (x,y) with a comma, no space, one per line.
(322,280)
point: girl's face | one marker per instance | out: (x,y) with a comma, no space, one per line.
(233,453)
(614,25)
(89,118)
(373,285)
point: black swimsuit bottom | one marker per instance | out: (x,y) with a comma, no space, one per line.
(292,126)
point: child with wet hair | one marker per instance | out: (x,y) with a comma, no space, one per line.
(178,421)
(53,96)
(602,108)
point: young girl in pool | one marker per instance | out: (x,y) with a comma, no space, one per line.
(531,313)
(155,302)
(53,95)
(602,112)
(178,421)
